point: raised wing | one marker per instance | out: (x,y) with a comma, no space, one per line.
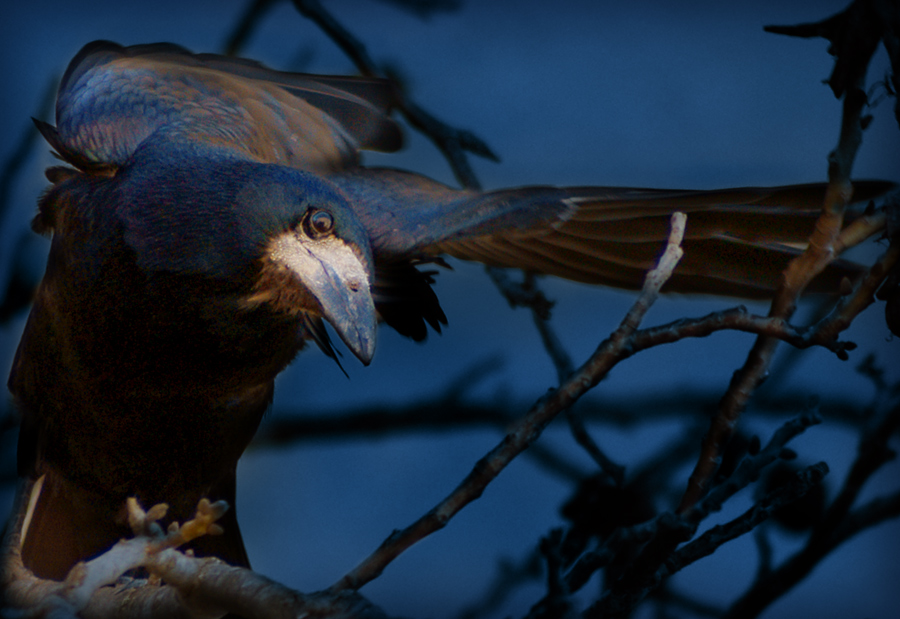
(737,243)
(112,98)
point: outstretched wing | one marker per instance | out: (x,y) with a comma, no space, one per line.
(112,98)
(737,242)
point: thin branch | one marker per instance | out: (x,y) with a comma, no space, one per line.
(869,515)
(873,452)
(668,530)
(352,47)
(854,34)
(864,228)
(749,469)
(527,294)
(836,527)
(557,603)
(592,561)
(851,306)
(564,368)
(737,319)
(764,550)
(576,426)
(709,541)
(521,294)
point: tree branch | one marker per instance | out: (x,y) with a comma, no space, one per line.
(718,535)
(526,431)
(836,527)
(668,530)
(194,587)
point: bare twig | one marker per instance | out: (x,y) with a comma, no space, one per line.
(557,603)
(836,527)
(594,560)
(749,469)
(527,294)
(718,535)
(862,229)
(576,426)
(522,294)
(764,551)
(869,515)
(737,319)
(668,530)
(839,319)
(564,368)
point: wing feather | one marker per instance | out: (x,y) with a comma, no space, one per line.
(112,98)
(738,241)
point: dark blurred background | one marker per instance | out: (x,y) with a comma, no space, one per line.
(688,95)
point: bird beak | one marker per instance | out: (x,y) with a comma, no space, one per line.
(333,274)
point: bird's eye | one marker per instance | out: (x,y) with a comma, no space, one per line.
(318,223)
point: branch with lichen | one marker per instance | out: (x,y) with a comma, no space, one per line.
(149,549)
(181,585)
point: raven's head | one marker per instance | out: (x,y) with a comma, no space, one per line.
(317,264)
(279,238)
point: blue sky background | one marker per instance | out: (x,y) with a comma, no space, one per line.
(644,94)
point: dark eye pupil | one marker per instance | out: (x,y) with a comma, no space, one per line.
(319,223)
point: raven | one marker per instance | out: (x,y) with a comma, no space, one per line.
(214,215)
